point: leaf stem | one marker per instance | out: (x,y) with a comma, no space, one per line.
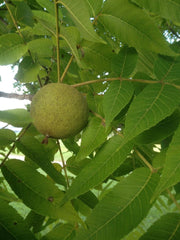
(145,162)
(67,67)
(57,40)
(173,199)
(14,21)
(123,79)
(14,144)
(63,163)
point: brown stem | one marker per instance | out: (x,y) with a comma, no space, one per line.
(63,163)
(14,21)
(173,199)
(57,40)
(145,162)
(14,144)
(123,79)
(17,96)
(67,67)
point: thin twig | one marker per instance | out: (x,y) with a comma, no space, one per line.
(63,163)
(14,144)
(57,40)
(14,21)
(16,96)
(173,199)
(67,67)
(145,161)
(123,79)
(113,79)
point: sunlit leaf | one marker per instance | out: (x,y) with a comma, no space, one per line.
(165,228)
(24,14)
(116,98)
(28,70)
(133,26)
(79,11)
(12,48)
(37,152)
(61,231)
(152,105)
(95,6)
(41,47)
(12,226)
(167,69)
(7,136)
(124,63)
(16,117)
(93,136)
(72,37)
(171,171)
(121,210)
(36,191)
(168,9)
(110,156)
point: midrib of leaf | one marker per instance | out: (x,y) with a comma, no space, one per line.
(91,8)
(148,109)
(75,17)
(130,25)
(173,63)
(175,230)
(123,65)
(96,53)
(29,187)
(114,102)
(69,44)
(129,203)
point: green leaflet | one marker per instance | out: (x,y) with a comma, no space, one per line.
(12,48)
(36,191)
(166,228)
(60,232)
(124,62)
(42,156)
(116,98)
(16,117)
(133,26)
(24,13)
(7,136)
(121,209)
(152,105)
(72,37)
(171,171)
(168,9)
(12,226)
(49,5)
(27,70)
(95,6)
(79,11)
(161,131)
(46,20)
(97,56)
(93,136)
(110,156)
(167,69)
(41,47)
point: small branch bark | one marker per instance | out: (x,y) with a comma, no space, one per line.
(17,96)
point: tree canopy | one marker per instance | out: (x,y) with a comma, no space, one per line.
(119,178)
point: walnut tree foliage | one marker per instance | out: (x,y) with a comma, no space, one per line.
(120,177)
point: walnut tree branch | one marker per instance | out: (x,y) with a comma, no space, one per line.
(17,96)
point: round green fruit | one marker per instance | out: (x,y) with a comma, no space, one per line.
(59,111)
